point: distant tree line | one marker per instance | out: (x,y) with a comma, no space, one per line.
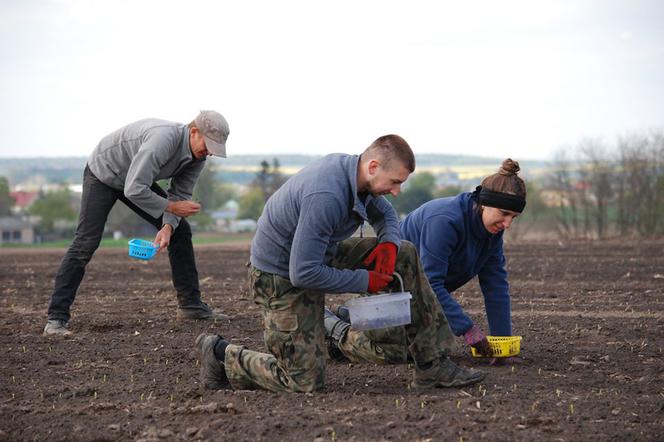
(603,190)
(6,200)
(267,181)
(594,190)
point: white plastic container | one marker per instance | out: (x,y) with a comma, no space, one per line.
(380,311)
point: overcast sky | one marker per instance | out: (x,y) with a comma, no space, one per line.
(493,78)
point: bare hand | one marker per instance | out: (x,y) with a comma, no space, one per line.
(183,208)
(163,238)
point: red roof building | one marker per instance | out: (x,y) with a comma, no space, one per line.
(23,199)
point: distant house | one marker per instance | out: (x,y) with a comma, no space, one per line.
(242,225)
(22,200)
(447,178)
(225,216)
(226,220)
(16,230)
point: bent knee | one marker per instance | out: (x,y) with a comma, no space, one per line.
(83,248)
(407,250)
(182,233)
(183,228)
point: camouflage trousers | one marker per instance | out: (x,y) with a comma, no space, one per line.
(294,332)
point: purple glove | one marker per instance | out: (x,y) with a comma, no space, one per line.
(476,338)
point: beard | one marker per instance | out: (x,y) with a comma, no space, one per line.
(373,192)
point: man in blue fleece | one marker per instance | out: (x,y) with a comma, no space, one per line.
(461,237)
(303,249)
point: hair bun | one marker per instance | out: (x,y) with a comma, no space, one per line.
(509,167)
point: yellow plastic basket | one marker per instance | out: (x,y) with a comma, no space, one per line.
(502,346)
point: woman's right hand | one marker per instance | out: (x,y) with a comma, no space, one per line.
(476,338)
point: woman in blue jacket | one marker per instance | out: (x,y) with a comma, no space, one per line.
(461,237)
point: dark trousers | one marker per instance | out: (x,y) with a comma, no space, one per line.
(96,203)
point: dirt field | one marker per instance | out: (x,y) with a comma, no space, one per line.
(591,316)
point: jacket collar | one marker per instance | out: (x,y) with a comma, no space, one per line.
(476,225)
(358,206)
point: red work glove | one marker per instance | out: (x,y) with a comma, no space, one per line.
(476,338)
(378,281)
(385,256)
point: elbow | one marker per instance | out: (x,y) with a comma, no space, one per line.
(297,279)
(135,193)
(302,278)
(131,193)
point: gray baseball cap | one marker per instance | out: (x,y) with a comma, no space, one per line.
(214,128)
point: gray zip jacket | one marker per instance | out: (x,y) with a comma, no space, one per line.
(302,223)
(133,157)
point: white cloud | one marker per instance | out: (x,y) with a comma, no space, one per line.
(493,78)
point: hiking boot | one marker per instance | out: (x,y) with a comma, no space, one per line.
(444,372)
(199,311)
(57,327)
(335,331)
(343,313)
(213,371)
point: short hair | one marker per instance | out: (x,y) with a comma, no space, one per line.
(390,148)
(506,180)
(192,125)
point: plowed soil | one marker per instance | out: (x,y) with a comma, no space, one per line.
(591,316)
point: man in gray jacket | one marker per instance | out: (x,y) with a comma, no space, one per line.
(126,166)
(303,249)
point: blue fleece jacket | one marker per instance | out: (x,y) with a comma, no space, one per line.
(454,247)
(303,222)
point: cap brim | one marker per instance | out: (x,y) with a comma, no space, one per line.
(216,149)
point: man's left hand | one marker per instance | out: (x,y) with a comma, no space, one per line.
(385,256)
(163,238)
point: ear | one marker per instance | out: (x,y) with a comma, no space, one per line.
(373,166)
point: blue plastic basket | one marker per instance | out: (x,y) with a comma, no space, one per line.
(142,249)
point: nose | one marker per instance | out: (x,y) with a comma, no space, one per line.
(396,190)
(507,222)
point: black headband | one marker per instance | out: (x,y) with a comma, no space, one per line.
(499,200)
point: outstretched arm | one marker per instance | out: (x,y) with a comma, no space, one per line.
(437,242)
(495,288)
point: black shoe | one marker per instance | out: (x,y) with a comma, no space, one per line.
(57,327)
(333,351)
(213,372)
(343,313)
(335,331)
(445,373)
(199,311)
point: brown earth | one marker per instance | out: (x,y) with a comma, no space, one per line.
(591,316)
